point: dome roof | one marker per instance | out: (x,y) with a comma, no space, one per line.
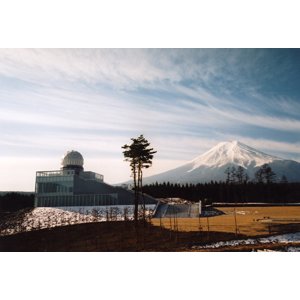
(72,158)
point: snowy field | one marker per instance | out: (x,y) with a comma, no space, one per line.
(276,239)
(47,217)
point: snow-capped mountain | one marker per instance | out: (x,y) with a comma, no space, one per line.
(232,152)
(212,164)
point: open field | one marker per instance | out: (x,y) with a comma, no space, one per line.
(107,236)
(250,221)
(185,235)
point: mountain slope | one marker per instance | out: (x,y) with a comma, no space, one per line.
(212,164)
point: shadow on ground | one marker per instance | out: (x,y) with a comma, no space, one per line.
(109,236)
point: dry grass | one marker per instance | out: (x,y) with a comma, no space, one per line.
(107,236)
(122,236)
(251,221)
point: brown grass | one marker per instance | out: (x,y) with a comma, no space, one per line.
(107,236)
(251,221)
(185,233)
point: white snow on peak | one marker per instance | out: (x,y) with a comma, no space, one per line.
(232,152)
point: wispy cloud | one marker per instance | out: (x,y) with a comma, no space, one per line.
(183,100)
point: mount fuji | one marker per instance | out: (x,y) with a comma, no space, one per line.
(212,164)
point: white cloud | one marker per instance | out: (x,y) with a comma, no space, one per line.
(271,146)
(120,68)
(257,119)
(94,100)
(117,67)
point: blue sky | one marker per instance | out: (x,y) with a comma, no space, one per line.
(183,100)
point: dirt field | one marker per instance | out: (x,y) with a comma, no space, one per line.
(250,221)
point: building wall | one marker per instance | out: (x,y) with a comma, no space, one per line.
(58,191)
(78,200)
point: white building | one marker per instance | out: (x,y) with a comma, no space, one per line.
(73,187)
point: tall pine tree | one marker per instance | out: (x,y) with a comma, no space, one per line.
(139,155)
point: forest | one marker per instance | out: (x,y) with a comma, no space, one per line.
(14,201)
(228,192)
(264,188)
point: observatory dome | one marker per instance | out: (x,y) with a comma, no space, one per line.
(72,159)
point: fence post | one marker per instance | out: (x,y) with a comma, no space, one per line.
(207,228)
(235,222)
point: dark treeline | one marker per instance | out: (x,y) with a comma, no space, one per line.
(228,192)
(14,201)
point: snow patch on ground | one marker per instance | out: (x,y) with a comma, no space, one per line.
(276,239)
(293,249)
(48,217)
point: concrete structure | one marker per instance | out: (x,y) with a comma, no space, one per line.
(165,210)
(71,186)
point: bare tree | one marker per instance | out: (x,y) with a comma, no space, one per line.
(265,174)
(241,175)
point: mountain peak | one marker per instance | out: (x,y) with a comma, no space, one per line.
(232,152)
(231,144)
(212,164)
